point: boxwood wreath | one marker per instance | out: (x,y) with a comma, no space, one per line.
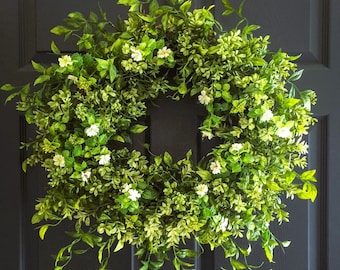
(118,196)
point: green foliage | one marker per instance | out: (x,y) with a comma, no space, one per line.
(115,196)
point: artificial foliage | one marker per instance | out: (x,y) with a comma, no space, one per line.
(115,195)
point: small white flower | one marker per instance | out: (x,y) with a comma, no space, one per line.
(201,189)
(290,195)
(93,130)
(134,194)
(215,167)
(224,224)
(284,132)
(104,159)
(59,160)
(85,176)
(126,187)
(164,52)
(207,134)
(65,61)
(73,78)
(267,116)
(203,98)
(136,55)
(236,147)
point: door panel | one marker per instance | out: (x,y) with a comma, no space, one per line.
(305,26)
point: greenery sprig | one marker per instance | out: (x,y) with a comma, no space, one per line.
(116,196)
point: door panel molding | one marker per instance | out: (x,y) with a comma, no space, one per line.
(318,211)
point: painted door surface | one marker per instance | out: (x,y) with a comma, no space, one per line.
(309,27)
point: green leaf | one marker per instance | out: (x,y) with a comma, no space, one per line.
(145,265)
(269,252)
(119,246)
(69,161)
(290,102)
(286,244)
(80,166)
(80,251)
(150,194)
(60,254)
(77,15)
(258,61)
(118,138)
(24,91)
(24,165)
(102,140)
(204,174)
(296,76)
(176,263)
(134,4)
(308,192)
(60,30)
(7,87)
(186,253)
(158,160)
(100,253)
(41,79)
(245,252)
(11,96)
(42,231)
(228,8)
(102,64)
(250,28)
(292,91)
(185,7)
(305,98)
(308,175)
(77,151)
(182,88)
(36,218)
(237,265)
(148,19)
(153,6)
(167,159)
(273,185)
(290,176)
(54,48)
(112,72)
(91,142)
(88,239)
(138,128)
(38,67)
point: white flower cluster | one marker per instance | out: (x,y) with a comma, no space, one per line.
(201,189)
(104,159)
(267,116)
(207,134)
(215,167)
(65,61)
(134,195)
(136,55)
(284,132)
(203,98)
(235,147)
(59,160)
(224,224)
(92,131)
(164,52)
(85,176)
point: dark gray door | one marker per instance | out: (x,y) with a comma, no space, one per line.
(309,27)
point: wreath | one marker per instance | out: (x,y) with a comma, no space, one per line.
(115,195)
